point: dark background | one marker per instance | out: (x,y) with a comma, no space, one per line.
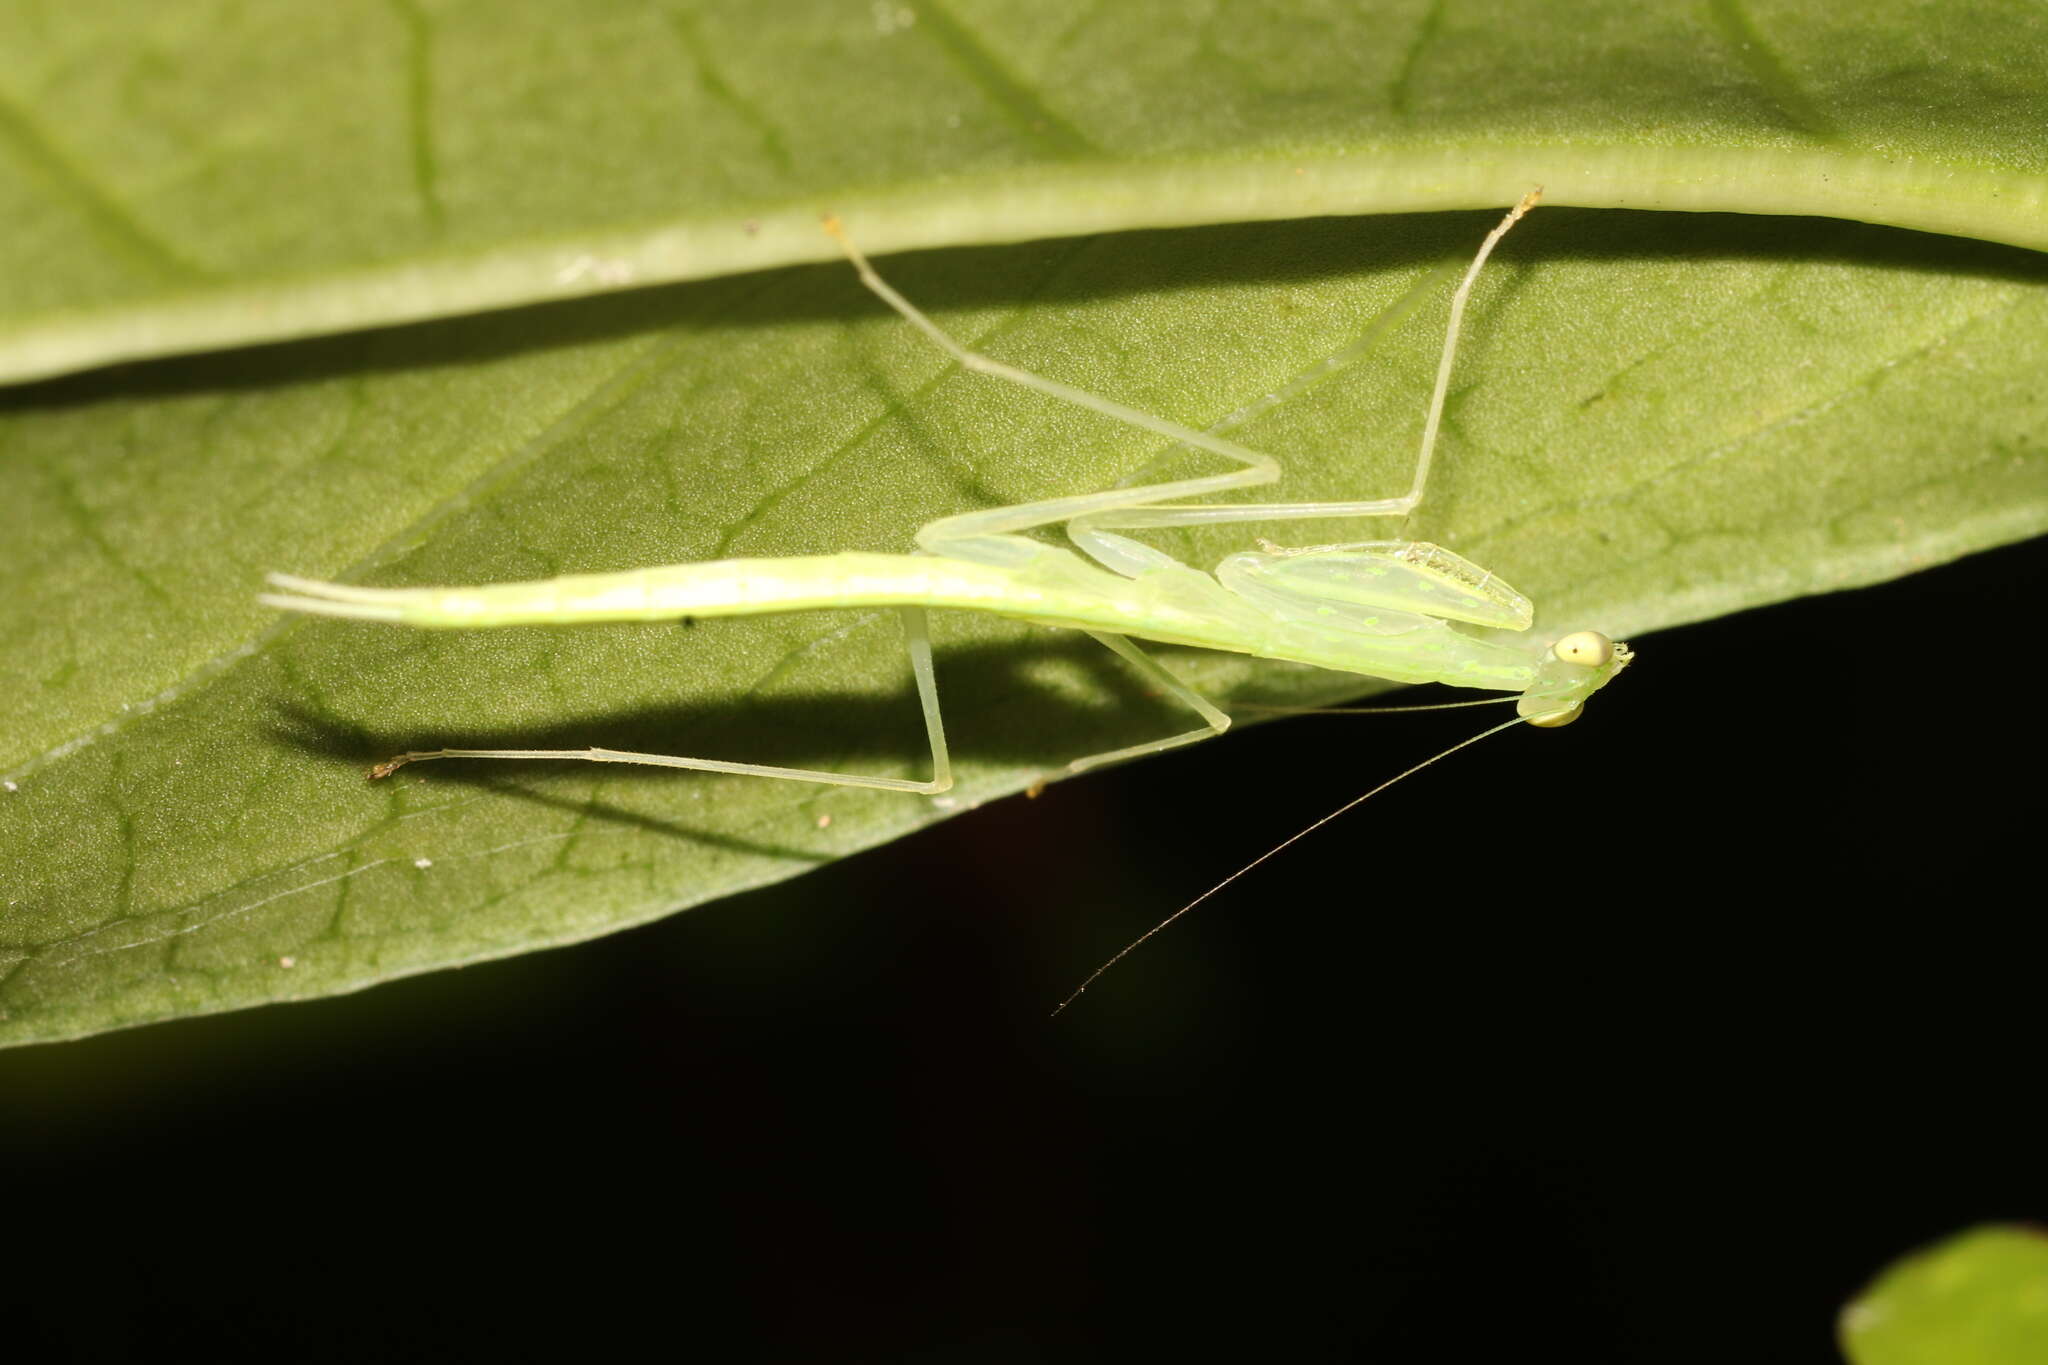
(1646,1040)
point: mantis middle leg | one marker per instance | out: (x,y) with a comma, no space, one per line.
(1215,722)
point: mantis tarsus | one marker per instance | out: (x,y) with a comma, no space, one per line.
(1380,608)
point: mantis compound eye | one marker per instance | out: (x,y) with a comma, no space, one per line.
(1586,647)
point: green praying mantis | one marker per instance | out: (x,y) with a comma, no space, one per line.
(1387,608)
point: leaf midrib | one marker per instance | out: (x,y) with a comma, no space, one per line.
(1962,199)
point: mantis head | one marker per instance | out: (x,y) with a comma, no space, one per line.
(1571,670)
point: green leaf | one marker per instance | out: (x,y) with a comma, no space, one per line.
(1979,1298)
(184,175)
(1657,418)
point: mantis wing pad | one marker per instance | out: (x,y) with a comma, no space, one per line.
(1408,577)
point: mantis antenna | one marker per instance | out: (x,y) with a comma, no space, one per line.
(1353,804)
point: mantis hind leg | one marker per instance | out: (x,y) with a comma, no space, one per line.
(1132,508)
(1152,514)
(1215,722)
(1255,467)
(917,641)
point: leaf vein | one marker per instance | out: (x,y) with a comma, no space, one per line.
(117,226)
(1771,71)
(774,145)
(1026,111)
(419,99)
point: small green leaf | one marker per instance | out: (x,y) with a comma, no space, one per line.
(1980,1298)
